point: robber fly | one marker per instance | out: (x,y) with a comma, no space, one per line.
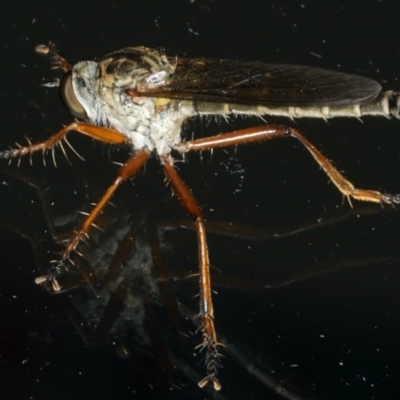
(141,97)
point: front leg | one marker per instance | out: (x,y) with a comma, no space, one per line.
(105,135)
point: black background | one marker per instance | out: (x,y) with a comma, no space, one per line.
(329,337)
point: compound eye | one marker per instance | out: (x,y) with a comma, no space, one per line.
(69,98)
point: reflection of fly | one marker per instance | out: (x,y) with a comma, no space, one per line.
(140,96)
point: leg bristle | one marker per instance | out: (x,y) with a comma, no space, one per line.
(64,152)
(70,146)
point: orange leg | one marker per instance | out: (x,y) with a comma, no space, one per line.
(106,135)
(127,170)
(210,343)
(266,132)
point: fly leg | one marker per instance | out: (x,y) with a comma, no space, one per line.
(105,135)
(209,343)
(266,132)
(133,164)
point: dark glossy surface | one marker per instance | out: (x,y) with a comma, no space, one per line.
(332,336)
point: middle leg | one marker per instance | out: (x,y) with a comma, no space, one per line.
(127,170)
(209,343)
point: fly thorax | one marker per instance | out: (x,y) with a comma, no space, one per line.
(116,92)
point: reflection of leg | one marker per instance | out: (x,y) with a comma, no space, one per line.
(111,312)
(266,132)
(237,231)
(209,343)
(118,296)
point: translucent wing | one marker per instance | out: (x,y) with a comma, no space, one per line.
(263,84)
